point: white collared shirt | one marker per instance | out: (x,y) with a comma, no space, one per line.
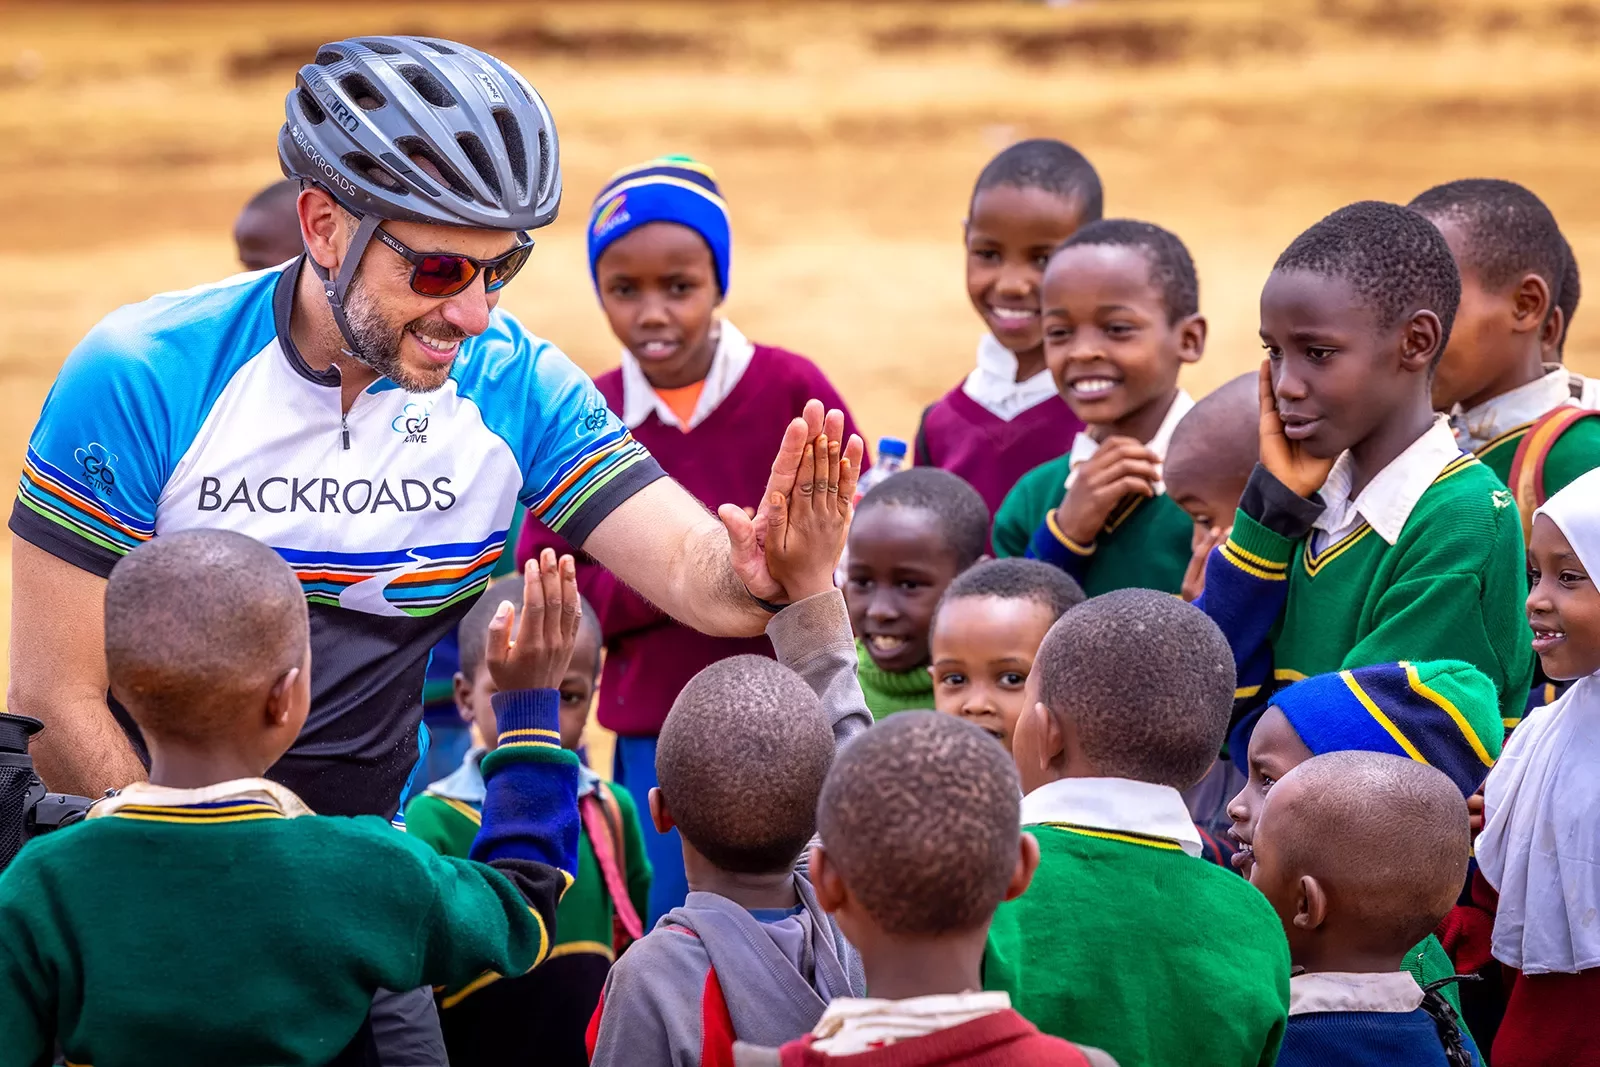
(144,794)
(1385,991)
(1084,446)
(728,364)
(1476,427)
(993,384)
(1117,804)
(851,1025)
(1392,494)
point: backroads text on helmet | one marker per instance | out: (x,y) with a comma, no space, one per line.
(322,495)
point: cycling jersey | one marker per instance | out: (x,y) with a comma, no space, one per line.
(195,409)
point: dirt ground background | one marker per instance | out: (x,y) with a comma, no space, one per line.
(846,136)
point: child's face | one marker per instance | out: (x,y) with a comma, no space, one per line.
(1275,750)
(983,649)
(1563,605)
(1107,340)
(658,287)
(1010,236)
(1337,376)
(1476,354)
(1206,497)
(577,686)
(899,567)
(1273,876)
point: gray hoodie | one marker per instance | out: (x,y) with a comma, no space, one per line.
(710,966)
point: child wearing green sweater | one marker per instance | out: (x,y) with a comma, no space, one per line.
(911,535)
(1117,942)
(601,911)
(1121,314)
(1366,535)
(240,927)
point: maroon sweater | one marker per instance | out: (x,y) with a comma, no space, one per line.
(1003,1039)
(724,460)
(963,437)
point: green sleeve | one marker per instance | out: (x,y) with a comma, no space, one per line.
(1035,495)
(1457,592)
(439,826)
(1428,962)
(477,922)
(1576,452)
(639,874)
(28,978)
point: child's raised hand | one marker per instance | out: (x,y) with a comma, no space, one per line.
(1200,546)
(537,657)
(1121,466)
(1284,459)
(805,531)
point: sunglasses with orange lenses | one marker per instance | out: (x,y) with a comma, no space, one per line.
(442,274)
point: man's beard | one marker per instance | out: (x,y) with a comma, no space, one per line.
(377,344)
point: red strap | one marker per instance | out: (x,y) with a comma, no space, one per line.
(716,1025)
(1526,478)
(591,1036)
(594,821)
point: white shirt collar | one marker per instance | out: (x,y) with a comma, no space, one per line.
(851,1025)
(1391,991)
(728,364)
(1084,446)
(1392,494)
(993,384)
(1117,804)
(1476,427)
(146,795)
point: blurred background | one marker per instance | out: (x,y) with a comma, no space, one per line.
(846,136)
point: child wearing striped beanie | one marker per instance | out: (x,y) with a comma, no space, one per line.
(1444,714)
(708,403)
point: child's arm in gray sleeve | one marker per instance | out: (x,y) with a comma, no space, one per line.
(812,638)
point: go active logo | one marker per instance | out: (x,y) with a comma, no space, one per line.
(413,423)
(99,466)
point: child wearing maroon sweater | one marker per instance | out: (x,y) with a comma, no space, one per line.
(1006,417)
(707,403)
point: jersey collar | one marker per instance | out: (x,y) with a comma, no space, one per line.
(282,306)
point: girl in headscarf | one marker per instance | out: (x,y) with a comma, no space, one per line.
(1540,846)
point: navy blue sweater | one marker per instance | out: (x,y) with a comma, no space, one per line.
(1365,1039)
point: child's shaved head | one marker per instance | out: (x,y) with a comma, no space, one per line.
(920,817)
(741,760)
(1214,448)
(199,626)
(1147,681)
(1386,838)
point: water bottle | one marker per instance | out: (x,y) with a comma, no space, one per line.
(891,458)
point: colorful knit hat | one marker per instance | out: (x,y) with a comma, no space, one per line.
(1444,713)
(669,189)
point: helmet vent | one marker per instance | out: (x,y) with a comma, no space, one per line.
(427,86)
(544,164)
(374,172)
(363,92)
(308,104)
(327,57)
(383,48)
(480,160)
(437,46)
(511,134)
(423,156)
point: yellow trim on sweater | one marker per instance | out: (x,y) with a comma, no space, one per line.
(1495,442)
(1253,564)
(540,737)
(1066,542)
(1165,844)
(1315,561)
(574,948)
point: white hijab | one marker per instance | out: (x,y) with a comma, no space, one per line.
(1540,846)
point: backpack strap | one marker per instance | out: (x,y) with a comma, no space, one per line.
(1527,466)
(605,838)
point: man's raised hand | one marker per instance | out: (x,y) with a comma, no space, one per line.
(537,657)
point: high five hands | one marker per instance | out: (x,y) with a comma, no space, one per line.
(787,550)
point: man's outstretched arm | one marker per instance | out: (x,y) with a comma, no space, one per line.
(58,674)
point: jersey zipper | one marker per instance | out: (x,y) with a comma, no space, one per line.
(344,428)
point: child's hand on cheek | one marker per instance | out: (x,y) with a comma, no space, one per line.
(1200,546)
(546,632)
(805,534)
(1284,459)
(1122,466)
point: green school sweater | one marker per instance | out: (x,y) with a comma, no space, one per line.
(1143,545)
(1451,587)
(1132,946)
(887,692)
(583,918)
(1576,452)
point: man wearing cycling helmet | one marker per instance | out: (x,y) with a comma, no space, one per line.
(367,411)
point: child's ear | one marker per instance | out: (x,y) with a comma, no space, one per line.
(281,698)
(659,815)
(1311,904)
(1056,743)
(1192,338)
(1027,864)
(461,690)
(1554,323)
(1420,340)
(1530,304)
(825,881)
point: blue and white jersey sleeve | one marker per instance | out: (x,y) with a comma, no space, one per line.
(578,461)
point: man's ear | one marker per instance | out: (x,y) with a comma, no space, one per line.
(1421,338)
(825,881)
(281,697)
(1192,338)
(659,815)
(1530,304)
(1027,864)
(1311,904)
(461,690)
(321,226)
